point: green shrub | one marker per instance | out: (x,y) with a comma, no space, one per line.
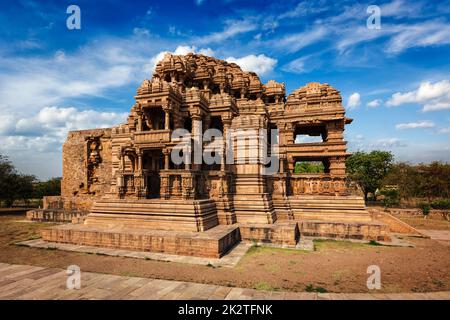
(443,204)
(391,197)
(425,207)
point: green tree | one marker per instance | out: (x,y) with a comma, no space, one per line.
(308,167)
(50,187)
(406,177)
(14,185)
(434,180)
(369,169)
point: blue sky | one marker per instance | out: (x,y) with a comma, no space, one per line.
(395,81)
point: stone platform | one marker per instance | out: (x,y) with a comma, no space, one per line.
(56,215)
(157,214)
(284,233)
(372,230)
(212,243)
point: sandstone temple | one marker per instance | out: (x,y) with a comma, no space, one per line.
(121,188)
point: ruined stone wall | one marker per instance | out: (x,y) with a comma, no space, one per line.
(87,167)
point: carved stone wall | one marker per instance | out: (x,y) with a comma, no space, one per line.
(87,170)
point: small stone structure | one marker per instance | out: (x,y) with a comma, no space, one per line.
(139,198)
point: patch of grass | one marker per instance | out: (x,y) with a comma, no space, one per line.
(320,244)
(374,243)
(262,285)
(128,274)
(438,282)
(312,288)
(272,250)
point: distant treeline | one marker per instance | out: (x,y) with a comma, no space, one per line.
(16,186)
(377,174)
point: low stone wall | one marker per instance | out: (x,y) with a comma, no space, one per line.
(434,214)
(345,230)
(56,215)
(79,203)
(283,233)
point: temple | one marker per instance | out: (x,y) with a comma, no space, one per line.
(126,191)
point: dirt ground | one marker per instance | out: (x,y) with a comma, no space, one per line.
(335,266)
(421,223)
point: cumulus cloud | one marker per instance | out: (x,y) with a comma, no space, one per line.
(52,123)
(374,103)
(432,96)
(261,64)
(415,125)
(387,143)
(354,101)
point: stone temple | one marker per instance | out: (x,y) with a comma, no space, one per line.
(123,189)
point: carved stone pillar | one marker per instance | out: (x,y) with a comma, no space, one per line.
(196,154)
(166,153)
(167,119)
(226,127)
(139,126)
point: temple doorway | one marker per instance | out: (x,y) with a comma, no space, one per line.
(153,162)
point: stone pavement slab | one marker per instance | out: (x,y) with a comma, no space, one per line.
(19,282)
(230,259)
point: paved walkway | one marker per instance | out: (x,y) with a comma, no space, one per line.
(229,260)
(29,282)
(440,235)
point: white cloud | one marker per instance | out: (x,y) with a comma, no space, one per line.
(419,35)
(303,64)
(231,29)
(415,125)
(297,41)
(34,141)
(374,103)
(261,64)
(444,130)
(386,143)
(55,122)
(354,101)
(432,96)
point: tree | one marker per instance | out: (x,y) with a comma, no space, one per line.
(13,185)
(50,187)
(434,180)
(369,169)
(406,177)
(308,167)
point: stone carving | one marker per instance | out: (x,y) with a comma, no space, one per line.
(129,181)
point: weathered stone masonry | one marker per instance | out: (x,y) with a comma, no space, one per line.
(138,198)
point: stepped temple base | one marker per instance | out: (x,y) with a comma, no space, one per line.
(141,197)
(212,243)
